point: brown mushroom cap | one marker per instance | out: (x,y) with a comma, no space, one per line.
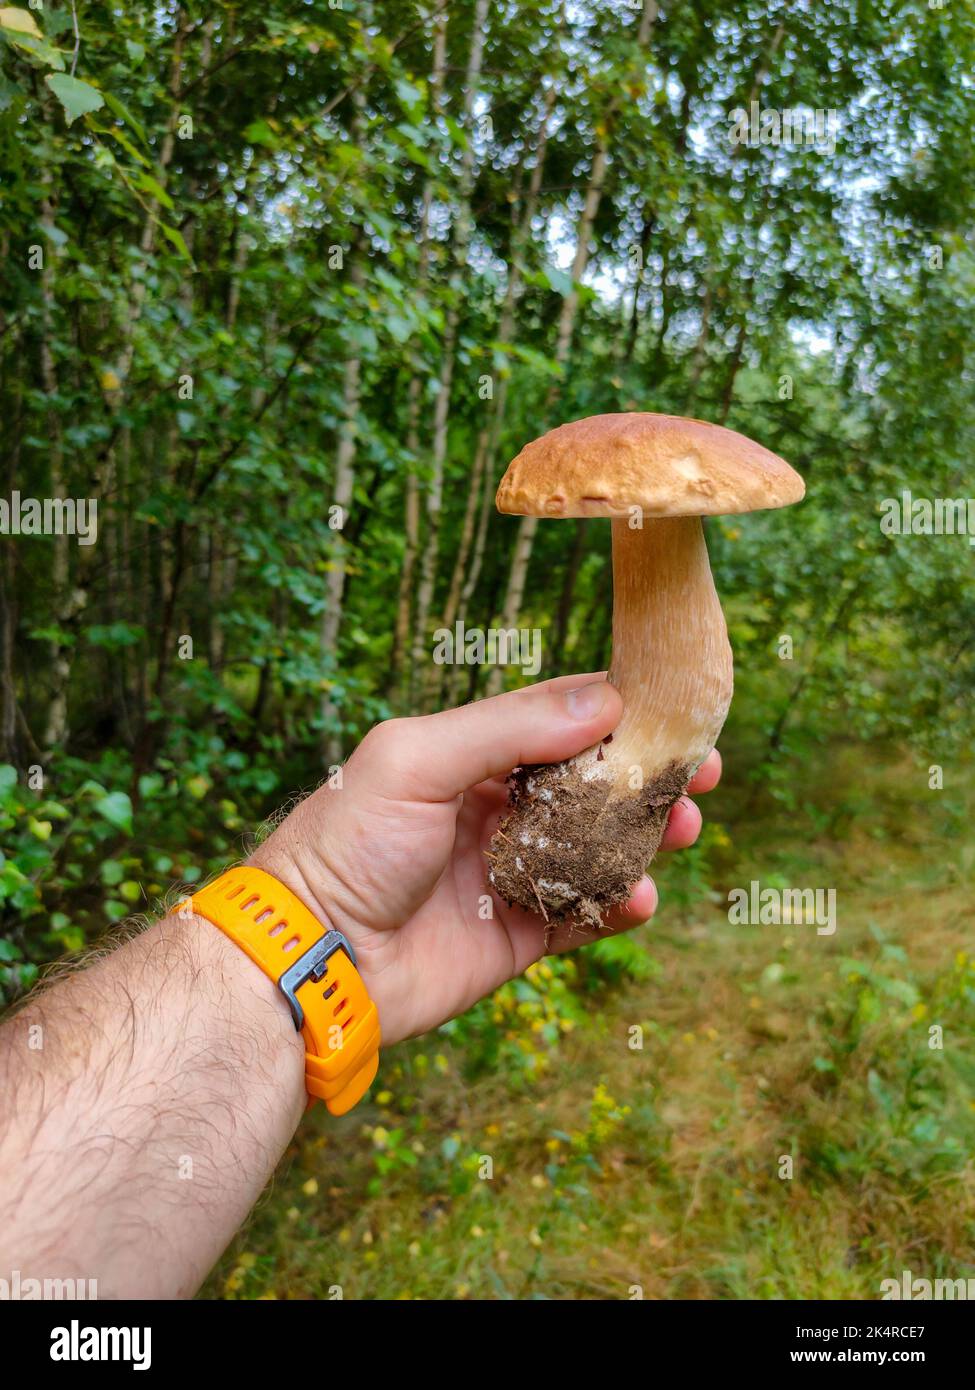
(663,464)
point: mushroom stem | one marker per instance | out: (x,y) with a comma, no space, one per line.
(581,833)
(671,659)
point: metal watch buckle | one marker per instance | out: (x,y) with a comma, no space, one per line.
(313,965)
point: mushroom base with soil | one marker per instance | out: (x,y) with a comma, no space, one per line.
(578,835)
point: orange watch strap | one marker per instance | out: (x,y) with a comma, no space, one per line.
(314,966)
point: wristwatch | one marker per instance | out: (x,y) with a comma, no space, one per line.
(315,969)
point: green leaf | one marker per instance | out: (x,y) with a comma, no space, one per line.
(558,280)
(60,635)
(408,95)
(899,989)
(116,808)
(112,872)
(175,238)
(114,634)
(55,234)
(124,114)
(39,50)
(150,785)
(260,133)
(155,189)
(198,787)
(8,777)
(77,97)
(9,92)
(71,938)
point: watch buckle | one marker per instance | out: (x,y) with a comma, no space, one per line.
(312,966)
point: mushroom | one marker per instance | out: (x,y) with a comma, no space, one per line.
(579,834)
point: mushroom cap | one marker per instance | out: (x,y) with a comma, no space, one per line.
(663,464)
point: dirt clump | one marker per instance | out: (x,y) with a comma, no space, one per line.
(573,847)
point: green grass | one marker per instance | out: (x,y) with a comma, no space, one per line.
(658,1168)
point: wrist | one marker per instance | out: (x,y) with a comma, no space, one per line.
(242,1002)
(310,964)
(277,858)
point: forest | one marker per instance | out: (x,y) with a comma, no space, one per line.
(284,288)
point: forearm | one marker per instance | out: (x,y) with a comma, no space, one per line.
(146,1101)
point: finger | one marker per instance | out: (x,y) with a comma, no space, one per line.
(683,825)
(641,906)
(567,682)
(708,775)
(437,756)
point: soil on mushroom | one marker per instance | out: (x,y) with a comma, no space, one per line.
(569,848)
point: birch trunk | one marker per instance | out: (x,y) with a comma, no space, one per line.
(411,506)
(56,729)
(441,414)
(528,525)
(344,485)
(490,435)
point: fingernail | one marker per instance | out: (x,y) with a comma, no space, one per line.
(587,701)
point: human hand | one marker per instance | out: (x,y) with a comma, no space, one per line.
(394,857)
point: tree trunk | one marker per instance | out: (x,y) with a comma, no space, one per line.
(521,237)
(441,413)
(700,350)
(566,598)
(56,729)
(344,481)
(467,530)
(342,491)
(648,221)
(518,573)
(529,524)
(411,502)
(8,607)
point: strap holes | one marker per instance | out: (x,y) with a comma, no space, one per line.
(263,916)
(246,907)
(327,993)
(277,929)
(290,945)
(235,892)
(348,1022)
(339,1007)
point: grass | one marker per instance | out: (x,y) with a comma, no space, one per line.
(608,1169)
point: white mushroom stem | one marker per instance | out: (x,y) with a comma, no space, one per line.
(672,662)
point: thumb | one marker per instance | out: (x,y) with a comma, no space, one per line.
(435,757)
